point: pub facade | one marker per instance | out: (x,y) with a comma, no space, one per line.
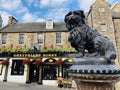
(34,68)
(34,52)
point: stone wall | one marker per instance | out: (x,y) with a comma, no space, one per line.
(30,39)
(117,36)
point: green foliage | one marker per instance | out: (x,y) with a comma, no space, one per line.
(21,49)
(51,49)
(24,49)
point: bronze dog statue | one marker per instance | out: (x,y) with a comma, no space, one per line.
(86,40)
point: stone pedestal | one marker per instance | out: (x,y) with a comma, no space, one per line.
(94,74)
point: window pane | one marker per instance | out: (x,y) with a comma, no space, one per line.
(17,67)
(21,38)
(1,68)
(103,27)
(101,9)
(49,72)
(40,38)
(58,38)
(4,38)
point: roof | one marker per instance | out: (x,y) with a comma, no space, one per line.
(33,27)
(115,15)
(116,3)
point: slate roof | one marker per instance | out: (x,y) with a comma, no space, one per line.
(33,27)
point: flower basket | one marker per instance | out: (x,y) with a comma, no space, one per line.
(26,61)
(59,61)
(38,62)
(4,62)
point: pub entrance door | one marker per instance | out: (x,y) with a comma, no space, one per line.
(34,72)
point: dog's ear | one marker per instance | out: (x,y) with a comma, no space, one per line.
(65,19)
(81,13)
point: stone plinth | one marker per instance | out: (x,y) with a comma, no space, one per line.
(94,74)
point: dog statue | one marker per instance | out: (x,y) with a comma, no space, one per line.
(86,40)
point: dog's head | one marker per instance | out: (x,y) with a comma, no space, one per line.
(74,18)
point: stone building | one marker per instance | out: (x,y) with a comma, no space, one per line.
(53,36)
(41,63)
(106,19)
(37,33)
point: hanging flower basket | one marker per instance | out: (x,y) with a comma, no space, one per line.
(26,61)
(38,62)
(59,61)
(4,62)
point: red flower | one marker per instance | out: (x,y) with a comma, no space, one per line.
(45,47)
(38,62)
(26,61)
(4,62)
(59,61)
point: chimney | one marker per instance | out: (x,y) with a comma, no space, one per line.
(1,21)
(12,20)
(49,24)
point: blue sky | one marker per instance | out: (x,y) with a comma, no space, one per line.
(42,10)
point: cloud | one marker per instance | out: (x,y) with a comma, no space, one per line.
(57,14)
(54,3)
(13,5)
(4,16)
(48,3)
(29,2)
(10,4)
(28,17)
(85,4)
(40,20)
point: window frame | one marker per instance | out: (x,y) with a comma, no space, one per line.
(49,72)
(58,38)
(39,38)
(103,27)
(101,9)
(21,39)
(1,69)
(13,67)
(4,38)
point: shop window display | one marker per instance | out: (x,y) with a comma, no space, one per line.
(17,67)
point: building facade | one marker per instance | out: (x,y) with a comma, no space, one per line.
(106,19)
(35,46)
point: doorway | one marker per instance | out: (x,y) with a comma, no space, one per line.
(34,72)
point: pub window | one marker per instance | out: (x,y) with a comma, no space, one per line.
(103,27)
(21,38)
(1,68)
(4,38)
(58,38)
(40,38)
(49,72)
(101,9)
(17,67)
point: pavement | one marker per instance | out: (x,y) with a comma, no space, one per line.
(32,86)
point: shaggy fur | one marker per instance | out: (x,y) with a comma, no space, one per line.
(83,38)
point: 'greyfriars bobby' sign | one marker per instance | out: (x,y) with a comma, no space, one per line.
(82,38)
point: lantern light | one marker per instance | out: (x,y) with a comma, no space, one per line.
(70,60)
(50,60)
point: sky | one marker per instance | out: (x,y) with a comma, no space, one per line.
(42,10)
